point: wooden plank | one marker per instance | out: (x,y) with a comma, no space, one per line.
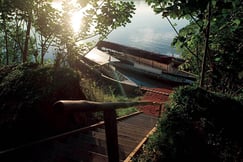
(132,127)
(129,157)
(96,157)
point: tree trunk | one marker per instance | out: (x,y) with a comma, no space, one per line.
(42,54)
(6,40)
(27,38)
(203,68)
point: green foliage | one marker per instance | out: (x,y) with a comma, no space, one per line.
(127,111)
(94,92)
(224,60)
(178,9)
(51,27)
(21,78)
(113,15)
(27,95)
(197,126)
(16,22)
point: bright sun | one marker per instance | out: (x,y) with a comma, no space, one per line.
(76,20)
(76,17)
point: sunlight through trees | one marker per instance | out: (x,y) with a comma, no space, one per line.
(29,29)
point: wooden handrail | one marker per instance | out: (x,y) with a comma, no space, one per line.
(90,106)
(109,118)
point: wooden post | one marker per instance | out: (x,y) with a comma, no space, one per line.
(160,110)
(111,135)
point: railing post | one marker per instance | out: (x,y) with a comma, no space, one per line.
(160,110)
(111,135)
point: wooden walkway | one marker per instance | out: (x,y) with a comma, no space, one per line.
(90,146)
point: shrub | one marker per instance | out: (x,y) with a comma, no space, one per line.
(197,126)
(27,94)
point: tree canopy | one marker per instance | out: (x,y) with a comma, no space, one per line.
(211,44)
(30,28)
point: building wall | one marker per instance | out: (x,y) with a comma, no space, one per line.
(151,63)
(147,68)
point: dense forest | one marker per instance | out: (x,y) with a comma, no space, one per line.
(201,122)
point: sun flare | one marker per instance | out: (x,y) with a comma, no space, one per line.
(75,17)
(76,20)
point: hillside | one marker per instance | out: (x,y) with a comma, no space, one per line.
(27,94)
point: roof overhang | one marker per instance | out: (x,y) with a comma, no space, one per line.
(100,57)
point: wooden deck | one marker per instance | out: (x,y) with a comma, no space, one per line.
(90,146)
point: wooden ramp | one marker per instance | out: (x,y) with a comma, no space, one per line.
(90,146)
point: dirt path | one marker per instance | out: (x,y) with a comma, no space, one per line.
(154,95)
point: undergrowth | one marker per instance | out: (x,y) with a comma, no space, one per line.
(29,91)
(27,95)
(197,126)
(94,92)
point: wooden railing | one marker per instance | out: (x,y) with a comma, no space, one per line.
(109,110)
(110,122)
